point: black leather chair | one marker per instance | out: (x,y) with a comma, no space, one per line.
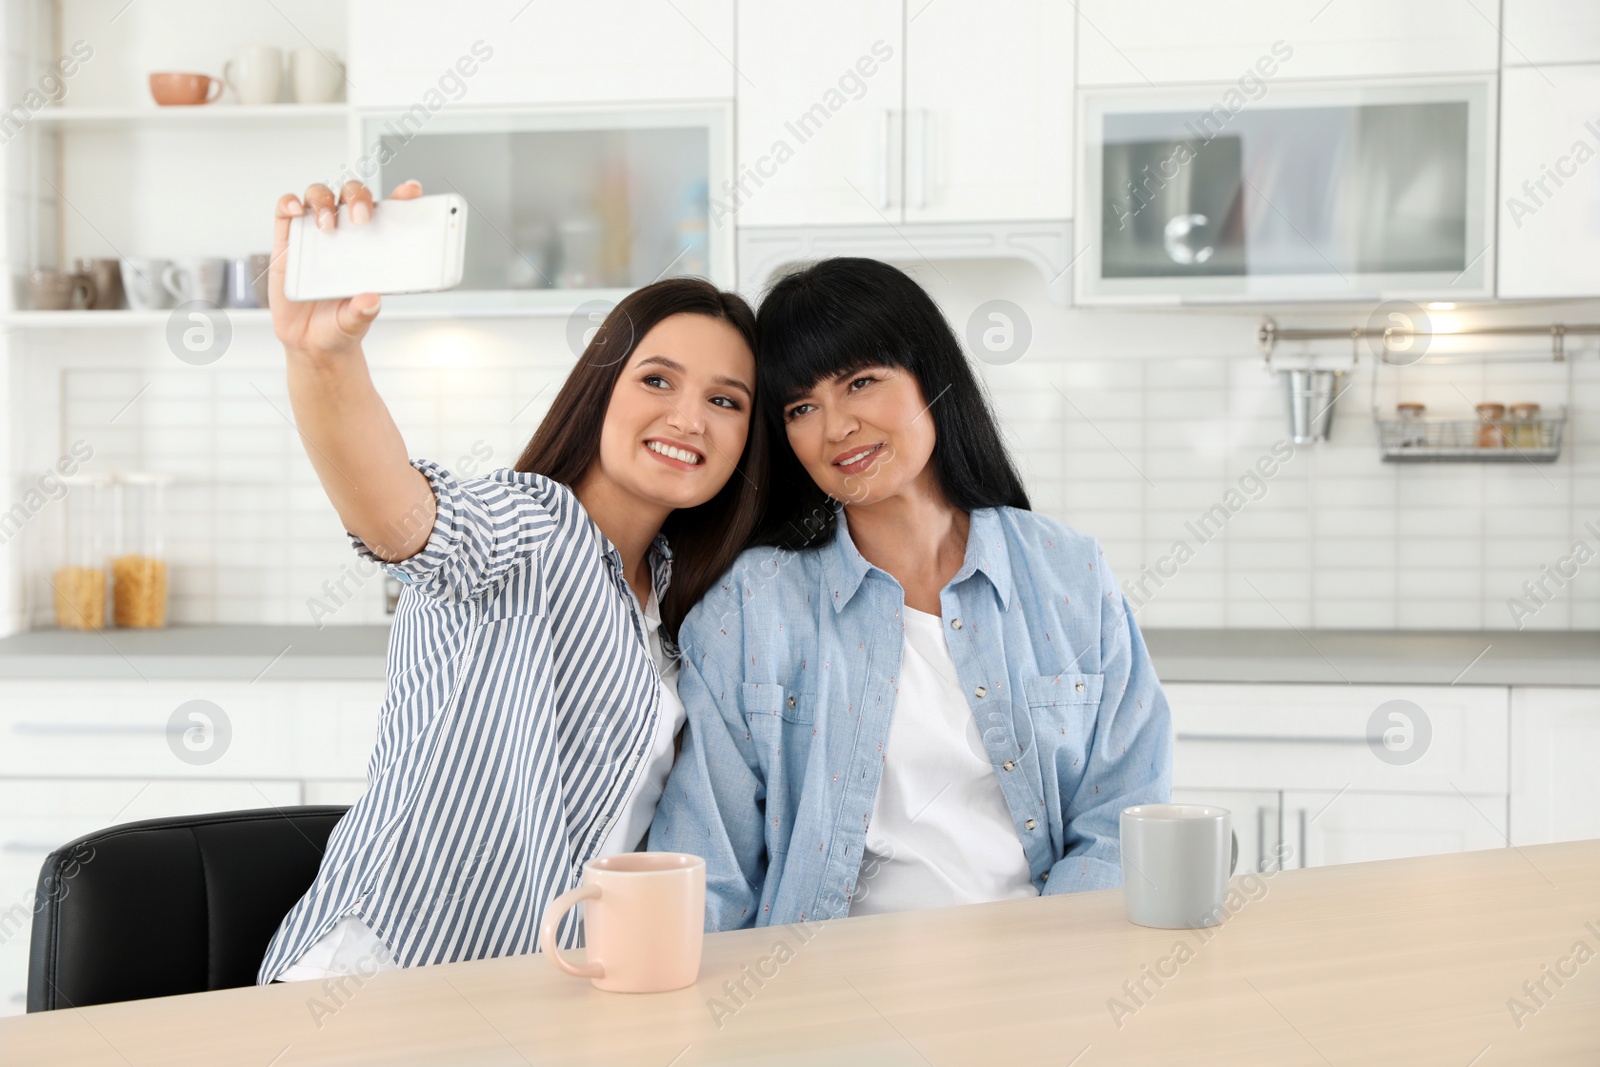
(167,906)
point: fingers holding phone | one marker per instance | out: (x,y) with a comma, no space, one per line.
(333,321)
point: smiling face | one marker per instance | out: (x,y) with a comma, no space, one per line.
(864,436)
(679,414)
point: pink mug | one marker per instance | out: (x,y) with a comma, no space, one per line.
(644,922)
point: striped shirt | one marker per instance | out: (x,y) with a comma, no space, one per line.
(520,706)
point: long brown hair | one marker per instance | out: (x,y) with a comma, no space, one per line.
(705,539)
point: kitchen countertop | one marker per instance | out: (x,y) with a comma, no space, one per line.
(292,653)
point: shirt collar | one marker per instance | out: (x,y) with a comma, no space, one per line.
(845,568)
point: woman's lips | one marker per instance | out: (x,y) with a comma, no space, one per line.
(653,448)
(858,459)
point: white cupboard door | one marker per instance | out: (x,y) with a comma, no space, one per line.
(1329,827)
(988,128)
(1555,793)
(407,52)
(1257,819)
(1551,31)
(1165,42)
(1550,181)
(819,102)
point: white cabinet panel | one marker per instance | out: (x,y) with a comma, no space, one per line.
(321,729)
(988,120)
(1550,181)
(1316,737)
(600,51)
(1555,793)
(1551,31)
(819,95)
(1325,828)
(1166,42)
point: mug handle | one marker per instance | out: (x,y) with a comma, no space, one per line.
(169,281)
(213,83)
(227,77)
(85,285)
(1233,864)
(547,931)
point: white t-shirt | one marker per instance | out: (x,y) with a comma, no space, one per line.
(940,833)
(351,947)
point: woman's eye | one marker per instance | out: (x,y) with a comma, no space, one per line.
(656,381)
(726,402)
(798,410)
(859,382)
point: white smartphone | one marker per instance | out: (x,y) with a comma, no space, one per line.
(408,246)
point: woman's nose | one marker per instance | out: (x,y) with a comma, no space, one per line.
(684,422)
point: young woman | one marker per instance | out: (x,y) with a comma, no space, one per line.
(918,693)
(530,717)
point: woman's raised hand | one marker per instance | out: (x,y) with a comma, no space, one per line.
(324,328)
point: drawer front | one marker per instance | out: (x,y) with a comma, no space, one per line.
(1421,739)
(230,729)
(36,817)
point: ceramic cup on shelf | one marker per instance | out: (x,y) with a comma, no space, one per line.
(196,278)
(107,277)
(247,282)
(314,75)
(141,282)
(184,90)
(255,73)
(56,290)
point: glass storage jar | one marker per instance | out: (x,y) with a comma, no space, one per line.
(139,566)
(1413,433)
(78,583)
(1491,425)
(1525,430)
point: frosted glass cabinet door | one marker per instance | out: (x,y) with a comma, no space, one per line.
(988,119)
(571,200)
(1550,181)
(819,94)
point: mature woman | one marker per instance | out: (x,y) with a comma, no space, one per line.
(917,692)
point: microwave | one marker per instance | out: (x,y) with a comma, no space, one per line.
(1301,193)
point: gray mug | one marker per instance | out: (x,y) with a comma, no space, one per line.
(141,283)
(1176,862)
(247,282)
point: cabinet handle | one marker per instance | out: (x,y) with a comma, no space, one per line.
(1261,838)
(1302,837)
(885,169)
(917,156)
(86,728)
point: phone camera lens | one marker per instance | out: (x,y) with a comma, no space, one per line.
(452,211)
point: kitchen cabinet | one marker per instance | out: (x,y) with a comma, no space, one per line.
(1295,766)
(1168,42)
(1555,793)
(1550,181)
(600,51)
(1541,32)
(870,113)
(988,111)
(80,755)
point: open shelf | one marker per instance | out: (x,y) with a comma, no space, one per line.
(82,118)
(1434,439)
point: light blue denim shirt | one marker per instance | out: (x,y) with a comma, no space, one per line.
(789,669)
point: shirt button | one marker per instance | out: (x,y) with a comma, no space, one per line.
(980,691)
(791,702)
(1079,687)
(955,624)
(1045,877)
(1030,824)
(1008,765)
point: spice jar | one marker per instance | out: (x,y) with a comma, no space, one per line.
(139,567)
(1525,430)
(1491,428)
(79,582)
(1413,433)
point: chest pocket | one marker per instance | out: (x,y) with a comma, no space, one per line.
(765,701)
(1063,707)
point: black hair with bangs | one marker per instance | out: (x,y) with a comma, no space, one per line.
(847,314)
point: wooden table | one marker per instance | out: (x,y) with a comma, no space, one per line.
(1410,962)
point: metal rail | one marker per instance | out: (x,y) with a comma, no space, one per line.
(1269,333)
